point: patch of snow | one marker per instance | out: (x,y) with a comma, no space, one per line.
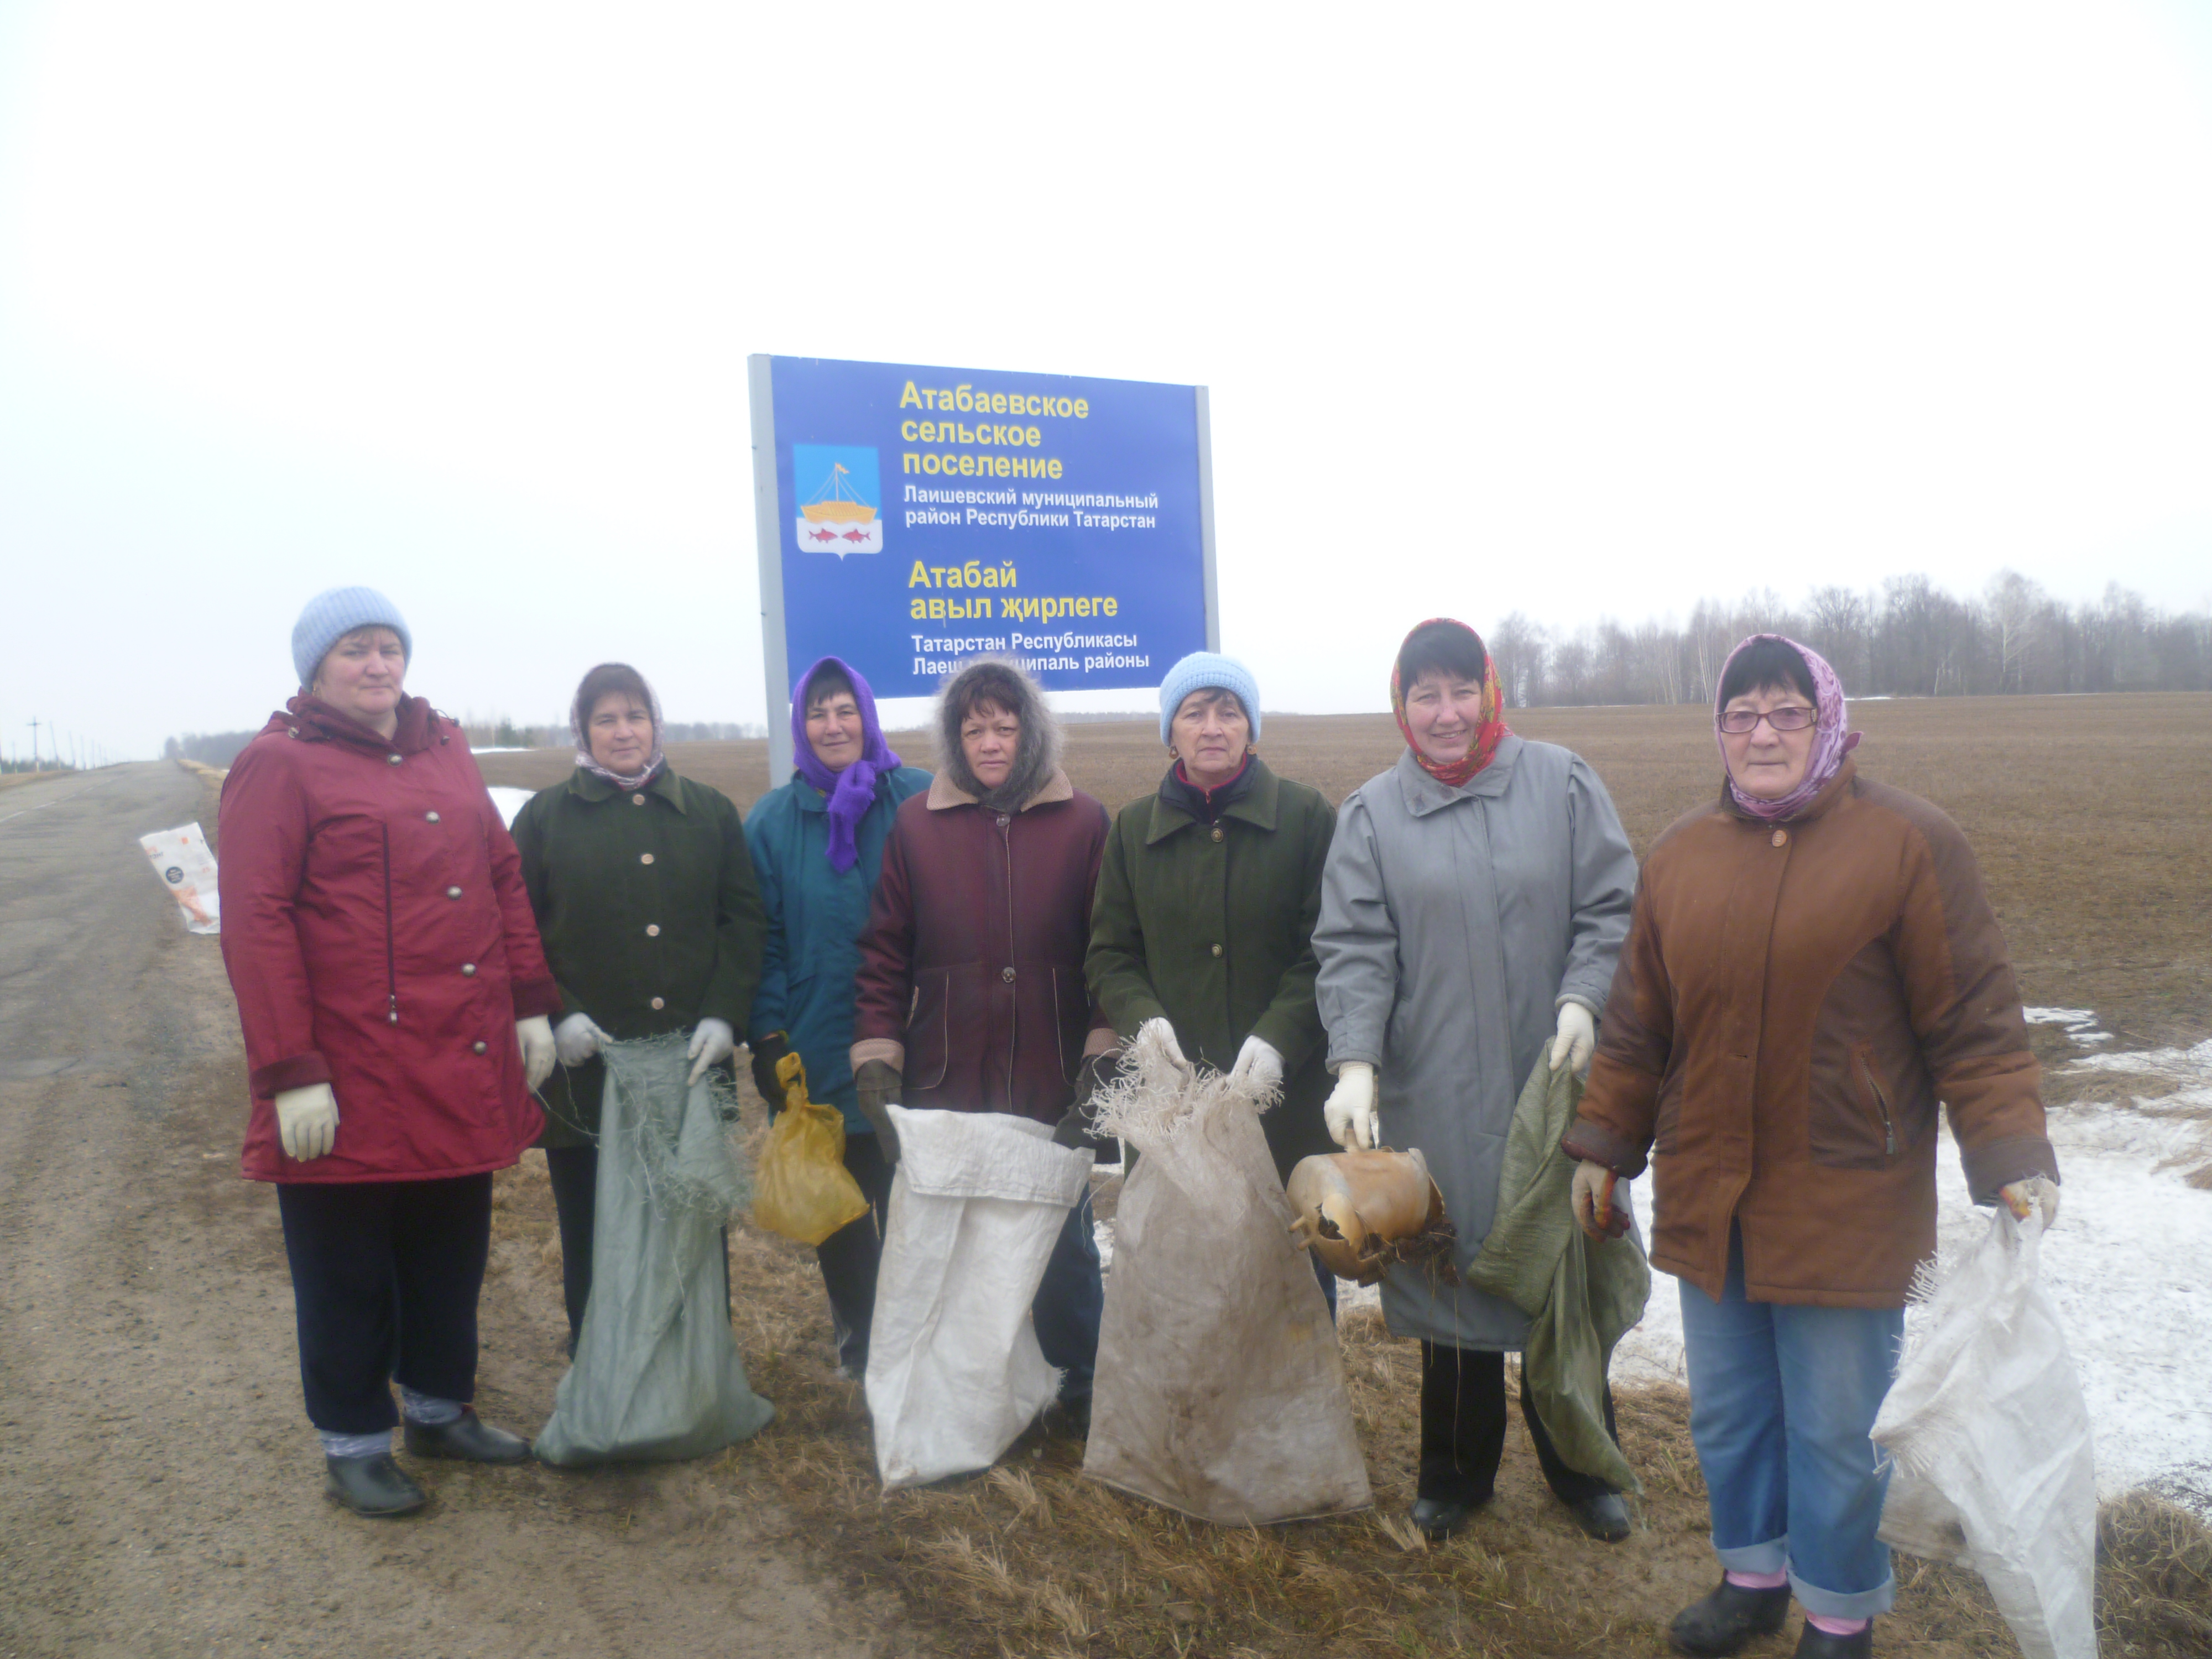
(510,801)
(2127,1265)
(2081,1023)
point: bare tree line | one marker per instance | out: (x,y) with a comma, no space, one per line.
(1907,638)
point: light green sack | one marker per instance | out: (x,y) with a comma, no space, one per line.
(1581,1298)
(657,1376)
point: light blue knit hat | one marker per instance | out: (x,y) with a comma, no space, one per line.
(331,616)
(1203,671)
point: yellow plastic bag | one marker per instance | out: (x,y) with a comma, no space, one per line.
(803,1189)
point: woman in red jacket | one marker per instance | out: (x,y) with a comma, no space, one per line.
(394,998)
(970,995)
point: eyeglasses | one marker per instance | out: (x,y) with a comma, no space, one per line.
(1740,720)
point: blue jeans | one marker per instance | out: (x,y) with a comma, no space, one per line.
(1782,1397)
(1069,1301)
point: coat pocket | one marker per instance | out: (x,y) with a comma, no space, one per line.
(1851,1119)
(928,1029)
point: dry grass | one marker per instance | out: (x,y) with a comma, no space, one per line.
(1030,1559)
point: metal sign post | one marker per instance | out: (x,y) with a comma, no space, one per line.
(909,517)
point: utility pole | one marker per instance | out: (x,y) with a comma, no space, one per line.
(34,743)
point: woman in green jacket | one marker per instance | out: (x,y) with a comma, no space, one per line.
(652,925)
(1206,905)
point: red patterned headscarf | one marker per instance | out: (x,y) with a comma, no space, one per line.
(1488,735)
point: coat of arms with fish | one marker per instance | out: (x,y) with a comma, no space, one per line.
(841,499)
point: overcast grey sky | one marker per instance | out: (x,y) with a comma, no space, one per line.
(1628,304)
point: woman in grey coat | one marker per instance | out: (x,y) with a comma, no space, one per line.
(1472,907)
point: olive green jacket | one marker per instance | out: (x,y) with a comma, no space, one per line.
(1212,927)
(650,917)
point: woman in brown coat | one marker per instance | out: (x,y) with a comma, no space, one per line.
(1812,964)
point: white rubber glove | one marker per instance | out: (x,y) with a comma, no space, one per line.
(1349,1111)
(308,1120)
(1576,1041)
(534,1036)
(712,1043)
(1164,1030)
(1594,1185)
(576,1039)
(2036,1193)
(1258,1063)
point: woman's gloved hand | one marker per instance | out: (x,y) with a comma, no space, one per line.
(2036,1193)
(1601,1203)
(1349,1111)
(534,1036)
(308,1120)
(713,1041)
(576,1039)
(1257,1063)
(1576,1041)
(878,1086)
(1164,1030)
(767,1050)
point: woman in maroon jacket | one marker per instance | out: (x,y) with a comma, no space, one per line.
(394,1000)
(970,995)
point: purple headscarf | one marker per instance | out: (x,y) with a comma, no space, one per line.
(1832,737)
(852,791)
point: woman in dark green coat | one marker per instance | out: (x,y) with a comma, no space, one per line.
(653,924)
(1207,900)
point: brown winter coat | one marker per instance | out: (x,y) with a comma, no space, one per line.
(1793,1001)
(971,969)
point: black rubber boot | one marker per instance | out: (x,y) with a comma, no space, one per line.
(1723,1621)
(1603,1516)
(467,1439)
(1438,1518)
(1819,1644)
(372,1485)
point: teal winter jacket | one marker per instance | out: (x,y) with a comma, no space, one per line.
(815,919)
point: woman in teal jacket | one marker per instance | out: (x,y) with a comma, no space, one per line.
(817,848)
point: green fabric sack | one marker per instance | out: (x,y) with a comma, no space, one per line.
(657,1376)
(1581,1298)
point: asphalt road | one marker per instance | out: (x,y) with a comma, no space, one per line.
(160,1486)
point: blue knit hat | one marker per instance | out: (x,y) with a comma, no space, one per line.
(1203,671)
(331,616)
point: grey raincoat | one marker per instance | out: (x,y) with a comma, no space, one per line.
(1454,923)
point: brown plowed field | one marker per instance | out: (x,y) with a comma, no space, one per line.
(2092,815)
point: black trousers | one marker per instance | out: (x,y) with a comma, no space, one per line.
(384,1279)
(851,1255)
(574,1172)
(1463,1429)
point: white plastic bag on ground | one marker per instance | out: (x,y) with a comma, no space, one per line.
(1991,1441)
(1220,1388)
(656,1374)
(186,868)
(955,1373)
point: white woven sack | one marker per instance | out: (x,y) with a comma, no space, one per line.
(955,1373)
(1220,1389)
(1991,1441)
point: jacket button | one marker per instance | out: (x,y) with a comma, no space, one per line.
(453,892)
(1217,950)
(431,817)
(1007,974)
(468,970)
(295,731)
(637,800)
(645,858)
(1781,837)
(478,1047)
(659,1003)
(394,759)
(1217,832)
(652,930)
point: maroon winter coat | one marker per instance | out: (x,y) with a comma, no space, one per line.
(971,969)
(379,940)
